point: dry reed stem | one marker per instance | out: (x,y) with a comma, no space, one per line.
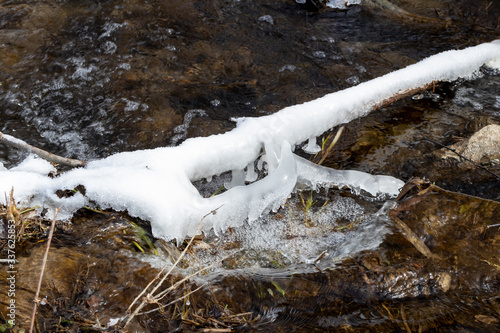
(178,283)
(44,262)
(155,299)
(145,289)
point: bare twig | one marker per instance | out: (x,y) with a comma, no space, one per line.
(321,256)
(20,144)
(44,262)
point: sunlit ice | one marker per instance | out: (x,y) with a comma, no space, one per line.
(156,185)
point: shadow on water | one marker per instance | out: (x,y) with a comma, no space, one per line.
(86,79)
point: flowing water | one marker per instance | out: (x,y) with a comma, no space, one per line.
(86,79)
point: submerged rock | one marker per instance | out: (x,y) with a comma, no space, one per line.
(483,147)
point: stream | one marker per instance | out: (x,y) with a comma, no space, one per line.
(87,79)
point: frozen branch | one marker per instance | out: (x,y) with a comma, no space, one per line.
(157,184)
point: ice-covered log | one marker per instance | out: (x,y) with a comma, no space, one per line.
(156,184)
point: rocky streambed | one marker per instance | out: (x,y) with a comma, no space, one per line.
(89,78)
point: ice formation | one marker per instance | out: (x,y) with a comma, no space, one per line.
(156,185)
(342,4)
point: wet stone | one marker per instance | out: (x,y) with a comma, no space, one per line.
(483,147)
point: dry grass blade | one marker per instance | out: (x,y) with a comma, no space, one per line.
(44,262)
(391,317)
(149,295)
(334,141)
(178,283)
(173,302)
(413,238)
(405,323)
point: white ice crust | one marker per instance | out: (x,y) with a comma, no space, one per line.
(342,4)
(156,185)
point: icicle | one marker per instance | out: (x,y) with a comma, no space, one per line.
(311,147)
(251,201)
(237,179)
(251,174)
(310,175)
(209,179)
(272,158)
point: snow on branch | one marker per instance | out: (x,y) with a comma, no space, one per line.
(156,185)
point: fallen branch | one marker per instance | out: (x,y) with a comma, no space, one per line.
(11,141)
(130,179)
(20,144)
(410,92)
